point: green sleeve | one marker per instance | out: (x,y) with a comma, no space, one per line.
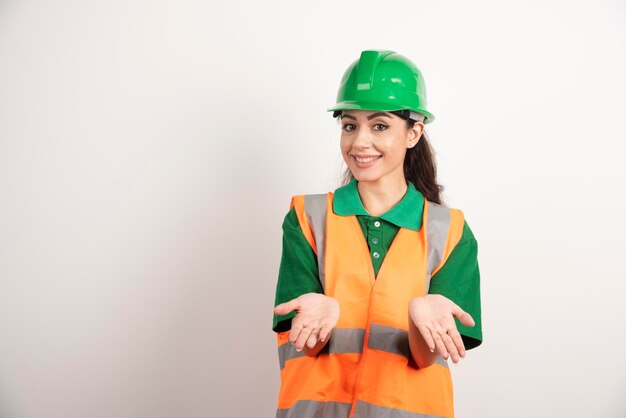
(459,281)
(298,272)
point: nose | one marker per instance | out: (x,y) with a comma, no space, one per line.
(362,139)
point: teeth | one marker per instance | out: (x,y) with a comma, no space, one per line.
(365,160)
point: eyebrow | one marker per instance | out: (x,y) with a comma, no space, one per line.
(370,117)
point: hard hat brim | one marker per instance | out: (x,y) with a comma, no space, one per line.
(361,105)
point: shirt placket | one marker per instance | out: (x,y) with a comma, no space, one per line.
(375,241)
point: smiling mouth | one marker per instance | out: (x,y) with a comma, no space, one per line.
(366,159)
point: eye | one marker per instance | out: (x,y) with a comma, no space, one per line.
(348,127)
(380,127)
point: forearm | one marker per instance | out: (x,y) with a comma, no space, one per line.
(420,352)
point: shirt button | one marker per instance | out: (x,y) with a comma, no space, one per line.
(374,240)
(376,224)
(376,255)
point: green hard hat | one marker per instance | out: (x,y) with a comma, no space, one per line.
(383,80)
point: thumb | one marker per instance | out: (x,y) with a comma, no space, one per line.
(285,308)
(465,318)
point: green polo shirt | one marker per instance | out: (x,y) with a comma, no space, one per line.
(458,279)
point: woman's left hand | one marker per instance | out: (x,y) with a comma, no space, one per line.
(433,316)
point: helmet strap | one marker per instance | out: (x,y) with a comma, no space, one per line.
(409,114)
(418,117)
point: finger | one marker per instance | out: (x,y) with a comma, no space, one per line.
(465,318)
(312,339)
(285,308)
(428,338)
(458,341)
(304,335)
(450,347)
(325,332)
(296,328)
(441,346)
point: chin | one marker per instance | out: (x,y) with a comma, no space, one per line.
(367,177)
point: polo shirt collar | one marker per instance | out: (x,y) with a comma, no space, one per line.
(407,213)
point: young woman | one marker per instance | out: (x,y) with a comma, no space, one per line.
(379,281)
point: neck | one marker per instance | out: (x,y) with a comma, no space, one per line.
(380,196)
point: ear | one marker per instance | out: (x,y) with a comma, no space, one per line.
(414,134)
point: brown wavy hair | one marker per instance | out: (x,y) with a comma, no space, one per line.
(420,166)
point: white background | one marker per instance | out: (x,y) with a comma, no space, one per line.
(149,151)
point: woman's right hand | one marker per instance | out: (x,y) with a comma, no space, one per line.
(316,316)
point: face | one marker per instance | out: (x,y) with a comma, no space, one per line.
(374,143)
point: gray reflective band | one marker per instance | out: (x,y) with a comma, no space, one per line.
(315,209)
(321,409)
(437,227)
(346,340)
(350,340)
(440,361)
(390,339)
(342,340)
(368,410)
(315,409)
(287,352)
(393,340)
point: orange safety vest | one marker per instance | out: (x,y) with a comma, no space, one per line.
(366,369)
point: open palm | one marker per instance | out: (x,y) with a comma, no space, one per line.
(316,316)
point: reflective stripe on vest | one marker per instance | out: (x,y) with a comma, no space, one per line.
(366,369)
(314,409)
(350,340)
(436,235)
(315,209)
